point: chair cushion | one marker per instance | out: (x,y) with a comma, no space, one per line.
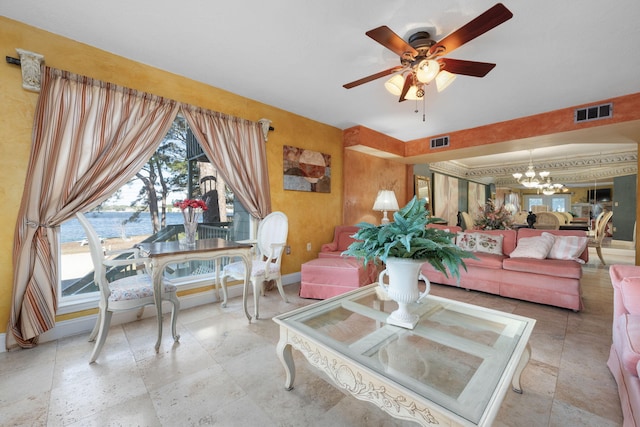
(630,291)
(134,287)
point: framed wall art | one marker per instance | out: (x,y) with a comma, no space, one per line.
(306,170)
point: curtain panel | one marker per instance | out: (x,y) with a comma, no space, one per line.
(236,147)
(89,139)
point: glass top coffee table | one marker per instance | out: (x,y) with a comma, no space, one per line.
(454,368)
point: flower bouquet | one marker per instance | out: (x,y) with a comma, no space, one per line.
(491,218)
(191,209)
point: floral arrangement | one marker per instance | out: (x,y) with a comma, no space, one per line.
(191,208)
(491,218)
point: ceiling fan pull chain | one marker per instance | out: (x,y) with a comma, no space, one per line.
(424,108)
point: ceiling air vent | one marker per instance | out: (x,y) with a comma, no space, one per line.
(443,141)
(595,112)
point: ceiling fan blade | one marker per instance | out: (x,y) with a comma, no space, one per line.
(467,68)
(372,77)
(408,82)
(478,26)
(391,41)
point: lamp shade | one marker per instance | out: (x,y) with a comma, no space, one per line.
(427,70)
(386,201)
(444,79)
(395,84)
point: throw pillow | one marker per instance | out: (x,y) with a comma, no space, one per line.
(480,242)
(537,247)
(568,247)
(630,291)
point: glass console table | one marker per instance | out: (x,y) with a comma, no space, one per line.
(454,368)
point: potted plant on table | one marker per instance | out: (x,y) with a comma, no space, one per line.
(404,245)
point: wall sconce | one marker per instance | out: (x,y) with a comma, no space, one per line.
(386,201)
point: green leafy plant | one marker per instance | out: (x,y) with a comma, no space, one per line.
(408,237)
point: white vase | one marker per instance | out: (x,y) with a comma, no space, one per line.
(403,275)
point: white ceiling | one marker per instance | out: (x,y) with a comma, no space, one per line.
(296,55)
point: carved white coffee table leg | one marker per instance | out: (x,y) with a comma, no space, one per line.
(284,353)
(515,383)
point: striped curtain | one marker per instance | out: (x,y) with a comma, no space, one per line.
(236,147)
(89,139)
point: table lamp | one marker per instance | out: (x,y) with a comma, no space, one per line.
(386,201)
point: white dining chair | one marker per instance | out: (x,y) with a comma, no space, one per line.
(270,243)
(122,293)
(600,231)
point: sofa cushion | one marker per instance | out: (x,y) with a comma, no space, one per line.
(480,242)
(630,291)
(485,260)
(567,247)
(533,247)
(548,267)
(531,232)
(508,238)
(628,326)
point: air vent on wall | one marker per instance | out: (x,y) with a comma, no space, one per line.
(595,112)
(440,142)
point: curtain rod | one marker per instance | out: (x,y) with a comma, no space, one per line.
(30,63)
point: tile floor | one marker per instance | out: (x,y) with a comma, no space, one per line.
(224,372)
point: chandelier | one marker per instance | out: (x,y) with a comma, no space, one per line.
(548,188)
(530,178)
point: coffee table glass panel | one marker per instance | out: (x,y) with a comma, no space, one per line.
(459,357)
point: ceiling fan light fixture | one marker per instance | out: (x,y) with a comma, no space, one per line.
(427,70)
(394,84)
(444,79)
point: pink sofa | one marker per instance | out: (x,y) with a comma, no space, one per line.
(546,281)
(332,273)
(624,358)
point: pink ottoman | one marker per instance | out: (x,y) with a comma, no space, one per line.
(323,278)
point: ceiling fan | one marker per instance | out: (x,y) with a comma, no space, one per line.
(421,57)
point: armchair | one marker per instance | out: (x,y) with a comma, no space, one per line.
(331,273)
(341,241)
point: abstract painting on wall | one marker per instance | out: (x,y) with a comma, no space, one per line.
(306,170)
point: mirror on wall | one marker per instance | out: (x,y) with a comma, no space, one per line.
(422,189)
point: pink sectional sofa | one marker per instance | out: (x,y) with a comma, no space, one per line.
(331,273)
(624,358)
(546,281)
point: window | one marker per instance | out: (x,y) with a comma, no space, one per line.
(143,210)
(554,202)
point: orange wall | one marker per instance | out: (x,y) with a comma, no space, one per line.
(312,216)
(627,108)
(364,176)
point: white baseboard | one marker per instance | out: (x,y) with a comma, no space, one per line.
(84,325)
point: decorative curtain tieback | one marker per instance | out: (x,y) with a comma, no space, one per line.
(35,224)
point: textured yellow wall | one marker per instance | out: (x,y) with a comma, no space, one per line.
(312,216)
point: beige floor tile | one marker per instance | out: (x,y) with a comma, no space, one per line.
(225,371)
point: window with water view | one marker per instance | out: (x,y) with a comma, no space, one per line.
(143,211)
